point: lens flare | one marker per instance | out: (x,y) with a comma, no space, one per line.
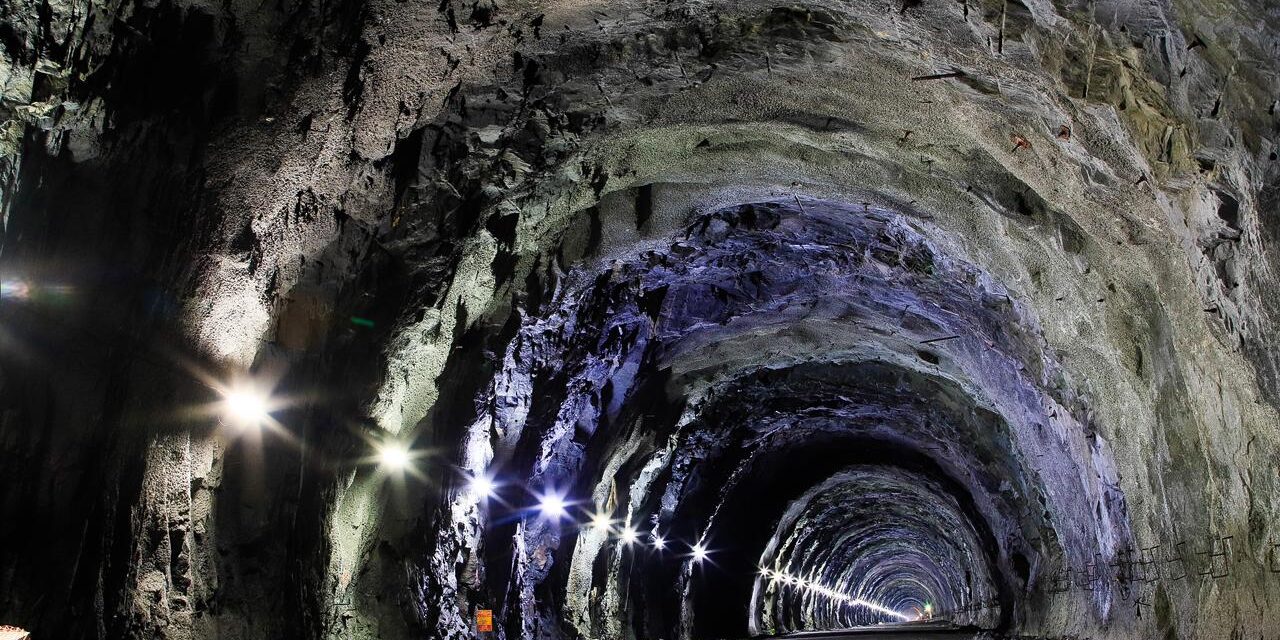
(553,506)
(628,536)
(394,457)
(482,486)
(15,290)
(699,552)
(245,407)
(601,521)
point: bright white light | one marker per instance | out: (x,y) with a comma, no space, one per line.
(813,585)
(553,506)
(13,633)
(699,552)
(393,456)
(858,602)
(245,407)
(658,542)
(601,521)
(628,535)
(482,486)
(15,289)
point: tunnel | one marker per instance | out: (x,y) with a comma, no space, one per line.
(636,320)
(785,393)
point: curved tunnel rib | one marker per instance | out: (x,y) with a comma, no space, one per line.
(879,535)
(700,333)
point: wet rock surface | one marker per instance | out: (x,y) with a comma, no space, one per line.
(959,303)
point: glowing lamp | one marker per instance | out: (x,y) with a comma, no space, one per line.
(482,486)
(393,457)
(601,521)
(629,535)
(553,506)
(699,552)
(245,407)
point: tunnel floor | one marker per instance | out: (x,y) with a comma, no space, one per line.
(901,634)
(921,631)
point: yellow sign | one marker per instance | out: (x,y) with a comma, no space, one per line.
(484,621)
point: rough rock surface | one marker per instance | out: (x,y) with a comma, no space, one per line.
(1000,273)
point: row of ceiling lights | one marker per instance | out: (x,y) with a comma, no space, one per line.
(245,406)
(554,506)
(812,586)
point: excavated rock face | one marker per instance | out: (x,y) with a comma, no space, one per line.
(959,307)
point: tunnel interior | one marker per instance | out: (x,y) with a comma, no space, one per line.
(856,428)
(639,320)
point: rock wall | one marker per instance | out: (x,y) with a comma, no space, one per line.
(686,263)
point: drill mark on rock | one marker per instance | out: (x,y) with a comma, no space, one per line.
(1004,13)
(940,76)
(942,339)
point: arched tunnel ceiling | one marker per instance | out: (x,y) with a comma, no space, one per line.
(845,300)
(957,308)
(884,535)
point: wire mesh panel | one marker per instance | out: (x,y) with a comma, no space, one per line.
(1060,581)
(1122,568)
(1147,569)
(1091,577)
(1175,566)
(1133,569)
(1217,558)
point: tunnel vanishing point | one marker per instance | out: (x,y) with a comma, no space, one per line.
(639,319)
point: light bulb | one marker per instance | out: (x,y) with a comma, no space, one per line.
(245,407)
(601,521)
(629,535)
(394,456)
(699,552)
(482,486)
(553,506)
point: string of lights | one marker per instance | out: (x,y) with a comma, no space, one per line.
(812,586)
(246,407)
